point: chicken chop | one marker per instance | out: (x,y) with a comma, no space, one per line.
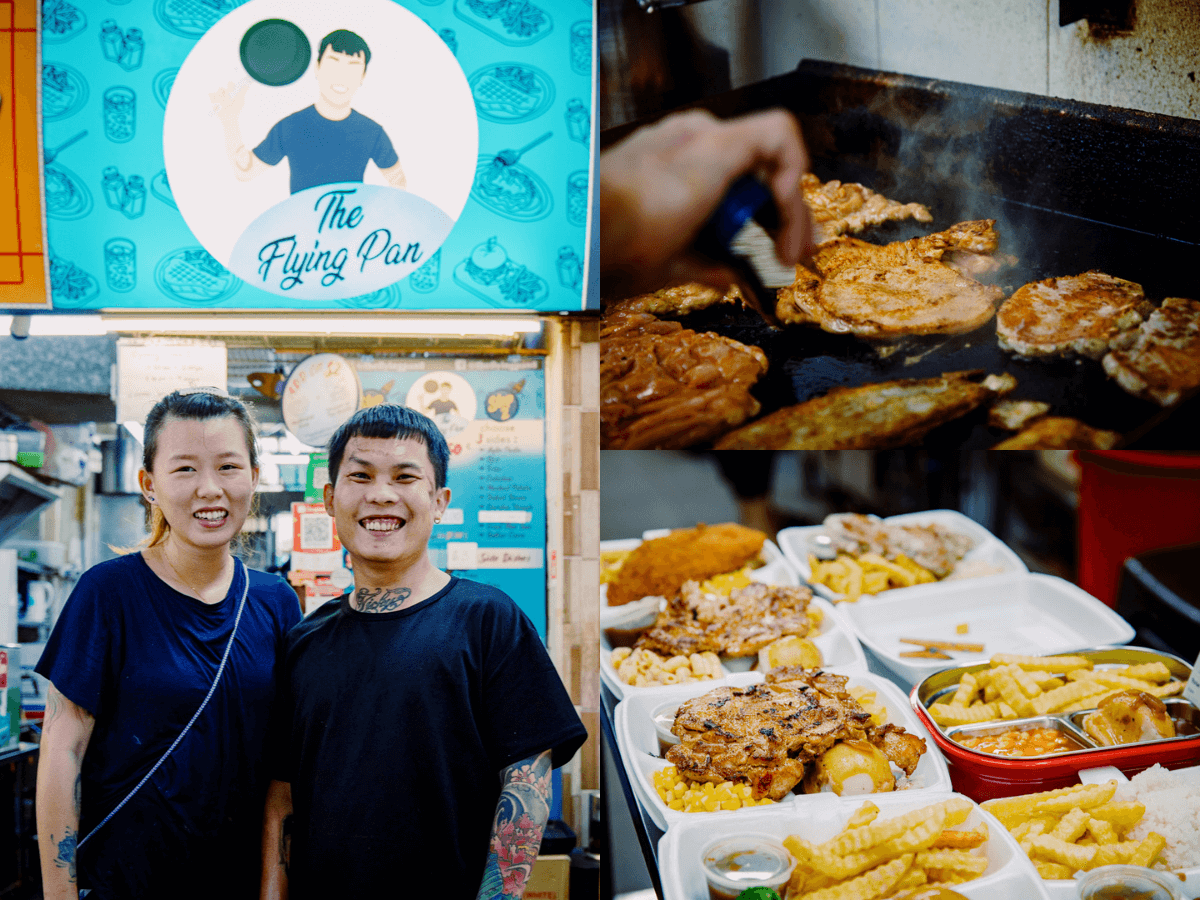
(1060,433)
(1161,360)
(937,549)
(838,208)
(1081,314)
(895,289)
(765,735)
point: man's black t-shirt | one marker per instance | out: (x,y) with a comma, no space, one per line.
(396,728)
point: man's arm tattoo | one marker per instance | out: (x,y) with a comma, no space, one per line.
(66,853)
(285,844)
(380,600)
(521,815)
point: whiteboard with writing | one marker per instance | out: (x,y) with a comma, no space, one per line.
(150,368)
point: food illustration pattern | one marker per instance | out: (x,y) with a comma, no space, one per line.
(126,49)
(511,92)
(64,91)
(512,22)
(503,404)
(192,276)
(61,21)
(489,274)
(120,265)
(162,85)
(524,73)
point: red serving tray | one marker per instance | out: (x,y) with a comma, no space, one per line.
(982,776)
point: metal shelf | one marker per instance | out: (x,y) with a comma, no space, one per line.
(21,495)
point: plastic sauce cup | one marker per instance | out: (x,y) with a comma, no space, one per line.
(1128,883)
(732,864)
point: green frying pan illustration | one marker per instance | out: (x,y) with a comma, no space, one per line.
(275,52)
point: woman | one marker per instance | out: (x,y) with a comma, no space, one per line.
(134,655)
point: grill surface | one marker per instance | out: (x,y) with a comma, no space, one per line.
(1073,186)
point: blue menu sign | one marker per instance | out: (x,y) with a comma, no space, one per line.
(421,154)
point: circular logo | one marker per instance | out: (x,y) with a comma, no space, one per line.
(445,397)
(320,151)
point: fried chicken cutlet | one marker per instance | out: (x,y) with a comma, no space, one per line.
(678,300)
(1060,433)
(895,289)
(660,566)
(765,735)
(665,387)
(1081,314)
(1161,360)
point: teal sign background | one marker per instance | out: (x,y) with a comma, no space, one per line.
(117,240)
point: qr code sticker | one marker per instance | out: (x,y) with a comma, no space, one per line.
(316,532)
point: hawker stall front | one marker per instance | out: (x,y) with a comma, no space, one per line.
(883,674)
(233,229)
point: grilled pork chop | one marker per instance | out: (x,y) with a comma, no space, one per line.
(840,208)
(765,734)
(1013,415)
(1161,360)
(1081,314)
(1060,433)
(665,387)
(895,289)
(871,416)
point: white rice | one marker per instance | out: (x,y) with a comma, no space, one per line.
(1172,801)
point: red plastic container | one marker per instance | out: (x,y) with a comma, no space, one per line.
(982,776)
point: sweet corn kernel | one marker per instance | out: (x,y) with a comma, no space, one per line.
(732,803)
(711,805)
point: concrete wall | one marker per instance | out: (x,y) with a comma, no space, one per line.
(1011,44)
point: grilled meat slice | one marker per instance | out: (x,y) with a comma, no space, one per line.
(660,566)
(739,624)
(1013,415)
(868,417)
(1082,314)
(677,300)
(766,734)
(840,208)
(1060,433)
(936,548)
(900,747)
(762,735)
(1161,360)
(665,387)
(895,289)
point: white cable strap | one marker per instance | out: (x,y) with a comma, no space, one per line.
(186,728)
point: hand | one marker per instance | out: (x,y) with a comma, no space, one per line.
(660,185)
(227,102)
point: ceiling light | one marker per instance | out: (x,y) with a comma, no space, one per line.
(56,325)
(375,326)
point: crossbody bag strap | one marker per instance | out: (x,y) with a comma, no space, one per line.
(188,727)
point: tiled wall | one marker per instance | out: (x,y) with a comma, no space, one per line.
(1011,44)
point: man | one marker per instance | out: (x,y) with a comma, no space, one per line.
(420,714)
(324,143)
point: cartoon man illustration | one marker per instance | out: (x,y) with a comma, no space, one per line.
(324,143)
(443,404)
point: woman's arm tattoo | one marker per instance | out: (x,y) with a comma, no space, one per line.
(66,853)
(521,815)
(380,600)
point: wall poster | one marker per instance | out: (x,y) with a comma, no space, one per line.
(492,414)
(408,154)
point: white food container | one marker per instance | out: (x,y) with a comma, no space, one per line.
(1036,615)
(1009,875)
(839,648)
(988,551)
(1067,888)
(638,742)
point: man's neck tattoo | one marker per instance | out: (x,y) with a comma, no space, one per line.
(380,600)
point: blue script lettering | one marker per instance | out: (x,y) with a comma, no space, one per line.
(392,253)
(295,265)
(336,215)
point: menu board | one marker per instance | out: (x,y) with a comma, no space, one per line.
(406,154)
(492,415)
(150,368)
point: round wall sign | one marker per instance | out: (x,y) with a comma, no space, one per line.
(322,392)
